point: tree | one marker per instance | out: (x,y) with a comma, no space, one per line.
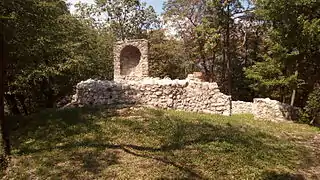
(4,127)
(55,51)
(186,16)
(209,27)
(127,19)
(311,112)
(167,57)
(5,141)
(292,50)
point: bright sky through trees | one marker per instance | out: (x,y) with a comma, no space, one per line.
(157,4)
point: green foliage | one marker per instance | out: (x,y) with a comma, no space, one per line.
(292,49)
(311,112)
(50,51)
(167,57)
(128,19)
(211,34)
(269,80)
(274,51)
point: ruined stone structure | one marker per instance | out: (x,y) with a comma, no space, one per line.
(241,107)
(265,108)
(132,86)
(185,95)
(131,60)
(273,110)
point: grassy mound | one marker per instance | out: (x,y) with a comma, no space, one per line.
(100,143)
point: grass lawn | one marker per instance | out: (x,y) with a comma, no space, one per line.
(100,143)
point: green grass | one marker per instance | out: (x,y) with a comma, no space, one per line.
(100,143)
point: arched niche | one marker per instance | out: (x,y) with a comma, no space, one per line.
(129,59)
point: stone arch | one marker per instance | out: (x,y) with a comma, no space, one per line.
(129,59)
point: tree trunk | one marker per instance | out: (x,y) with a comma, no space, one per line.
(229,59)
(12,103)
(22,100)
(203,59)
(47,92)
(213,75)
(5,141)
(282,95)
(294,90)
(223,74)
(50,98)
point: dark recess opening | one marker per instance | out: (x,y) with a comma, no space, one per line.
(129,59)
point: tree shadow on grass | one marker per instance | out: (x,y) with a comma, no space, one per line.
(53,127)
(184,145)
(272,175)
(96,161)
(258,149)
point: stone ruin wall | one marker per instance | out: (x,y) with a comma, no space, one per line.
(185,95)
(265,108)
(241,107)
(132,85)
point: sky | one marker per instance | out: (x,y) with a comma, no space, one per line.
(157,4)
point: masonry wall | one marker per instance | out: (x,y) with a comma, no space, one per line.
(266,109)
(273,110)
(185,95)
(241,107)
(140,68)
(189,95)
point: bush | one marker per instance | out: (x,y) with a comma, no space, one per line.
(311,112)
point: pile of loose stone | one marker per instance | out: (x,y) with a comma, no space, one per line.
(189,95)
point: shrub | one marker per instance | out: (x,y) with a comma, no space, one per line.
(311,112)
